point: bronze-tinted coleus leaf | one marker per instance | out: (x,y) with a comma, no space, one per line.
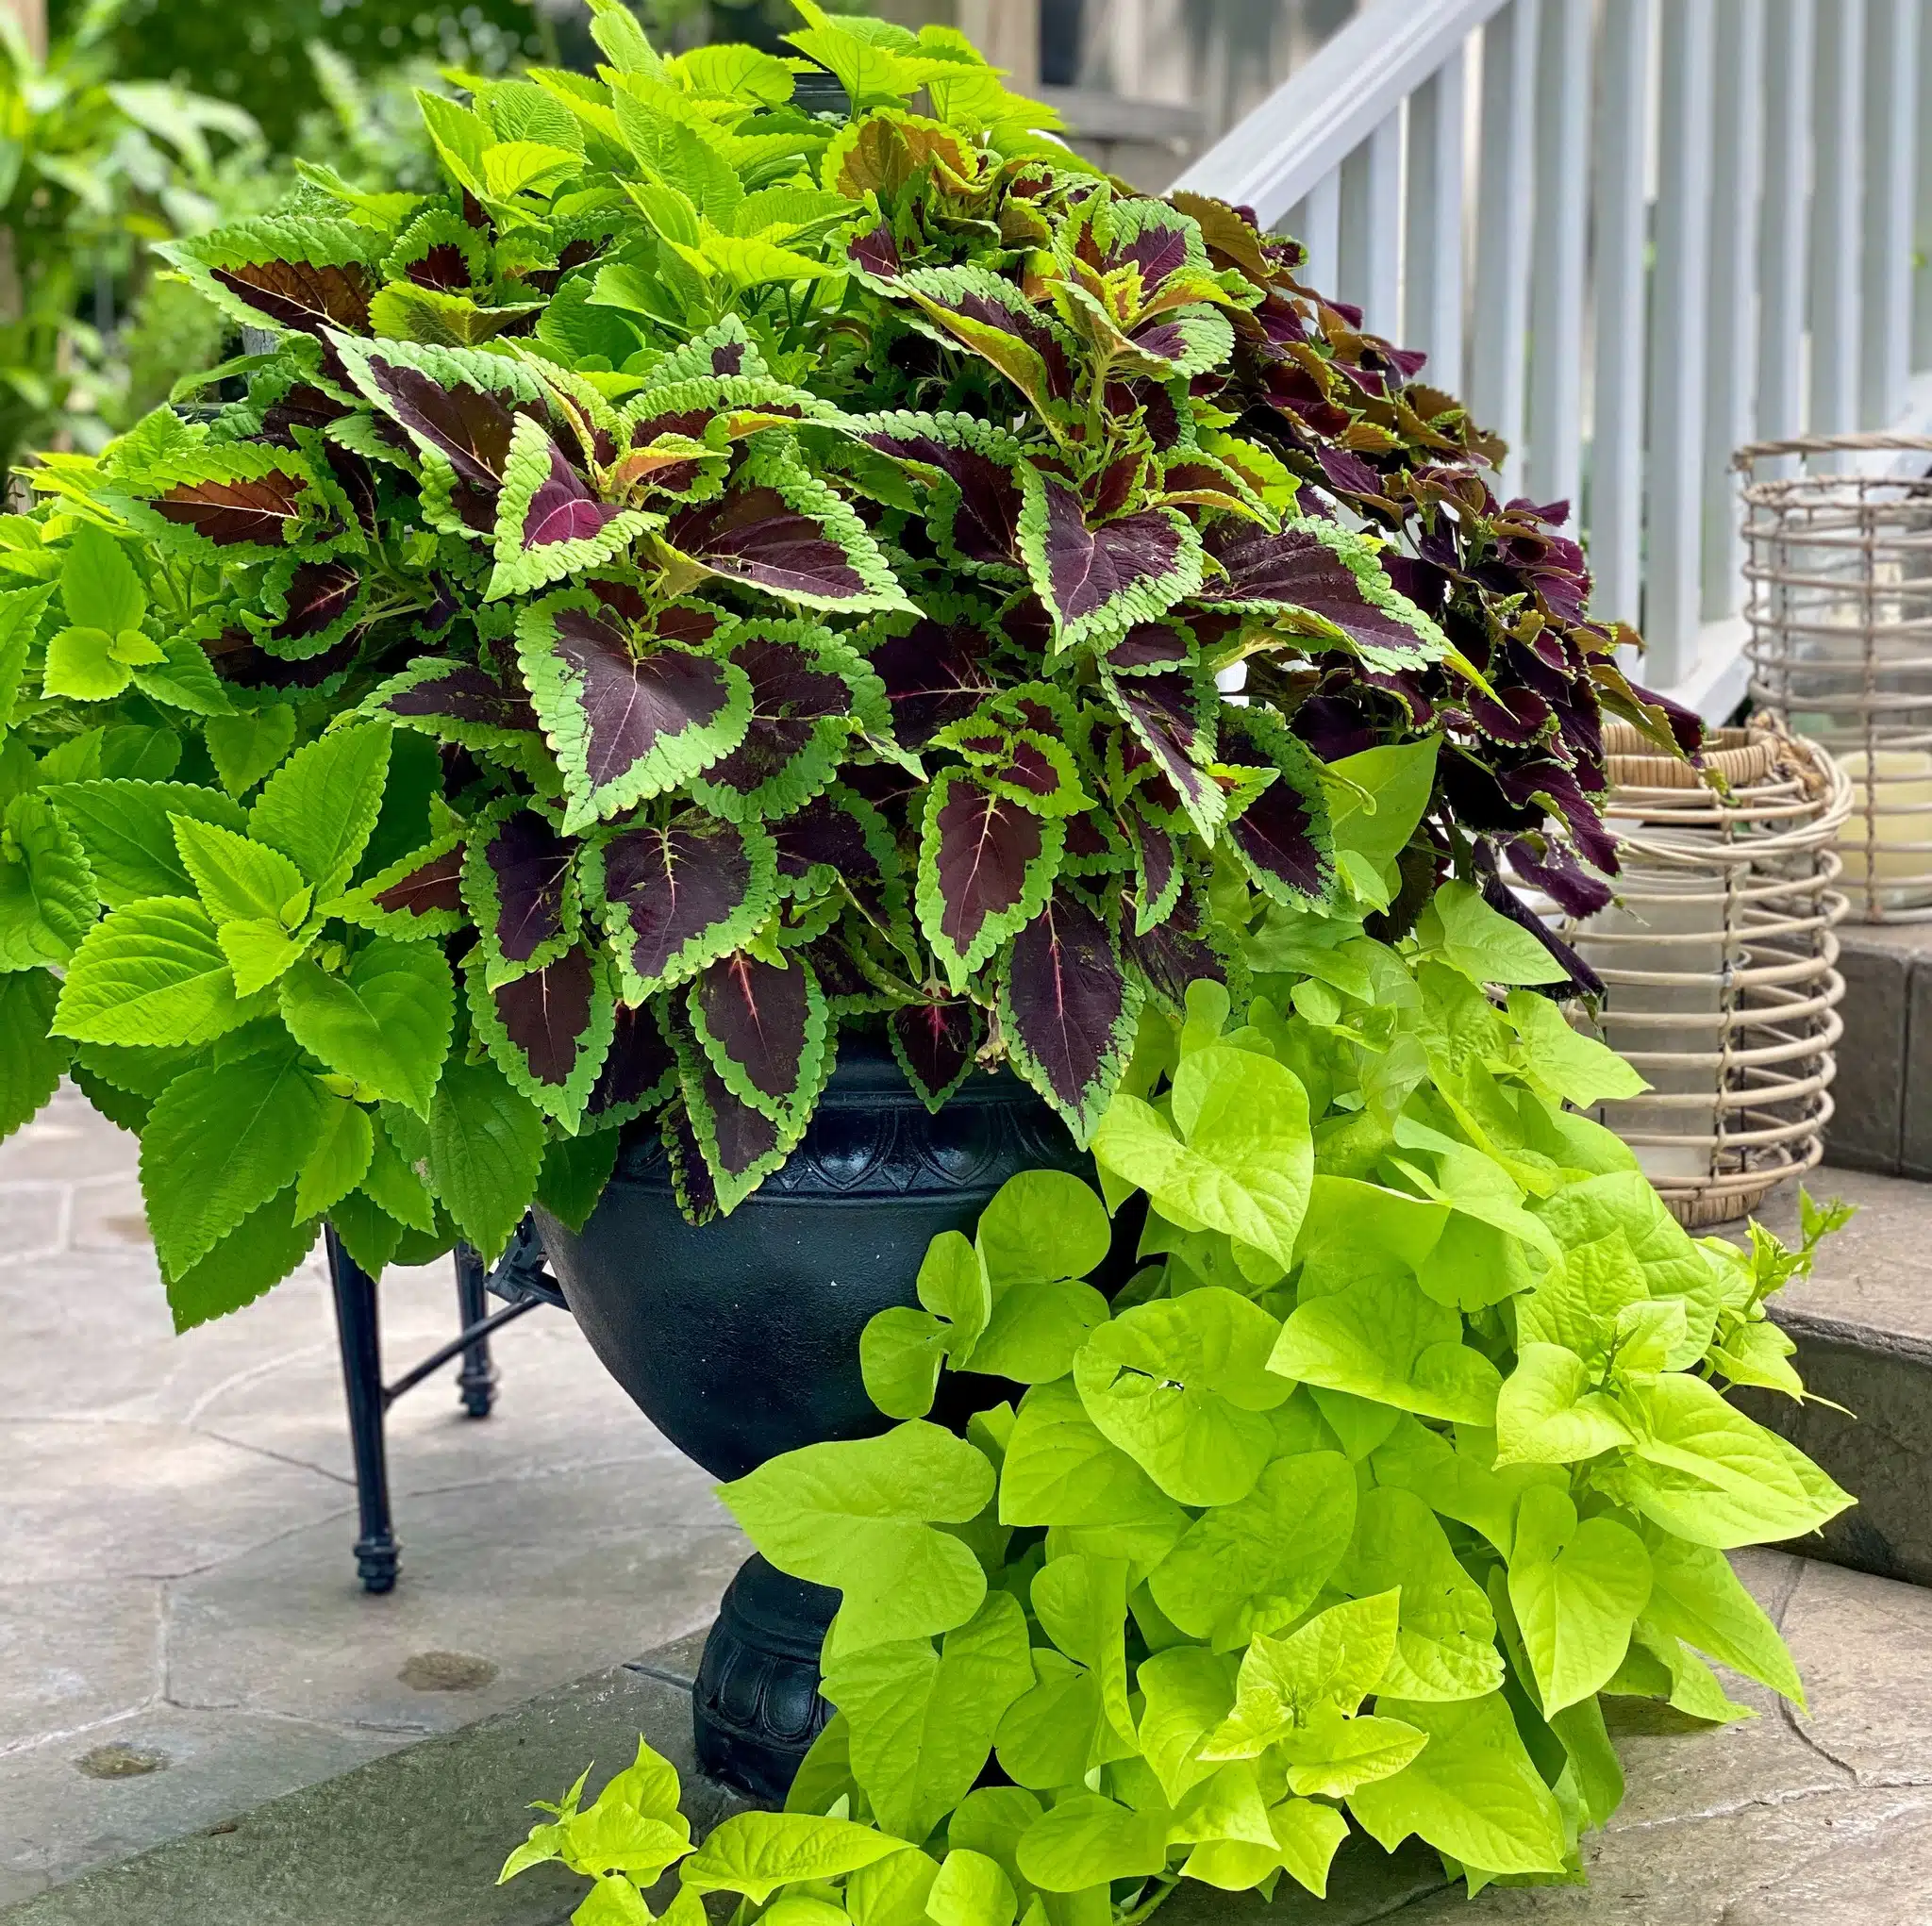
(1067,1007)
(322,603)
(674,898)
(975,513)
(1098,581)
(301,295)
(976,309)
(626,716)
(547,1030)
(986,864)
(458,405)
(1319,580)
(837,838)
(247,509)
(936,1044)
(638,1074)
(519,888)
(764,1029)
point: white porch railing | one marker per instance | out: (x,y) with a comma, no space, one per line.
(1641,233)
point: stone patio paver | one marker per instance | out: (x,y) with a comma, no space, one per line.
(178,1514)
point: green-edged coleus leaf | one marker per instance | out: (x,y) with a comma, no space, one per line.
(308,605)
(739,1144)
(1096,580)
(457,405)
(936,1044)
(1019,746)
(1172,718)
(810,693)
(638,1074)
(418,895)
(763,1026)
(678,896)
(520,889)
(461,702)
(972,307)
(837,838)
(986,864)
(973,513)
(235,501)
(1283,836)
(1159,873)
(786,532)
(439,249)
(628,716)
(1068,1008)
(283,273)
(549,525)
(1318,579)
(549,1031)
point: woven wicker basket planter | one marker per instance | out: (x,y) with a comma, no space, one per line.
(1719,961)
(1840,567)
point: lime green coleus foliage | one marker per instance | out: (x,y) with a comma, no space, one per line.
(1406,1446)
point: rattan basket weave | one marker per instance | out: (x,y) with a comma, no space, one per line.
(1719,959)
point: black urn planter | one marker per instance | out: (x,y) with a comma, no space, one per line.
(739,1341)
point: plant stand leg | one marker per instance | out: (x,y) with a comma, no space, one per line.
(476,1381)
(355,1326)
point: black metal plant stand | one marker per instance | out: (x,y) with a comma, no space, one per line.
(519,1279)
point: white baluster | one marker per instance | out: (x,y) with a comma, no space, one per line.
(1838,112)
(1505,204)
(1620,147)
(1921,206)
(1679,291)
(1553,472)
(1731,342)
(1433,256)
(1370,271)
(1784,228)
(1891,62)
(1321,232)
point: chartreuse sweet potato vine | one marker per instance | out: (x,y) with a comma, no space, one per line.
(1407,1448)
(716,571)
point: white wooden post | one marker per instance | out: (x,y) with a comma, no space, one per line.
(1731,342)
(1370,274)
(1835,197)
(1553,472)
(1891,60)
(1506,207)
(1620,147)
(1784,228)
(1433,259)
(1322,233)
(1922,208)
(1679,291)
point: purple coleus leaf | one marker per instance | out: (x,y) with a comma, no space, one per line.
(1558,874)
(1546,781)
(763,1028)
(984,524)
(739,1142)
(1172,717)
(1171,957)
(784,751)
(248,509)
(1282,836)
(1068,1008)
(468,427)
(563,508)
(1295,572)
(935,673)
(624,722)
(936,1044)
(321,595)
(1157,875)
(986,863)
(637,1072)
(1104,577)
(546,1015)
(1149,647)
(828,835)
(516,883)
(459,702)
(756,536)
(678,896)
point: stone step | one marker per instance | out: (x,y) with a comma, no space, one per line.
(1883,1092)
(1863,1327)
(1825,1817)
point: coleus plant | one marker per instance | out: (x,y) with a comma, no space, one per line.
(1404,1457)
(723,570)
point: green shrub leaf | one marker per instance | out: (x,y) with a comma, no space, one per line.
(385,1022)
(151,973)
(486,1147)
